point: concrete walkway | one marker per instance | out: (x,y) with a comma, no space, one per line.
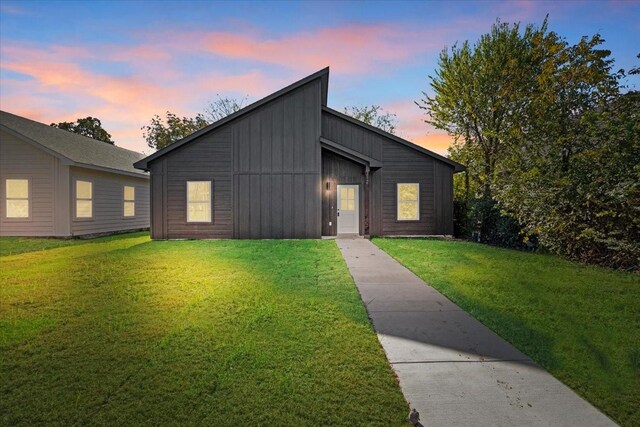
(452,369)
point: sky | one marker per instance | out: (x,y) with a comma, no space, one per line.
(124,62)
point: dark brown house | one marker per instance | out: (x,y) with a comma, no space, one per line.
(288,166)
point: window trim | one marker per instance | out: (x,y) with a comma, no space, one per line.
(417,219)
(125,201)
(29,198)
(186,193)
(75,199)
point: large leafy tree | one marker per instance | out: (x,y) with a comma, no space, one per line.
(550,142)
(373,115)
(479,96)
(88,126)
(161,132)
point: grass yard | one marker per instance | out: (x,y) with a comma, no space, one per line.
(128,331)
(579,322)
(19,245)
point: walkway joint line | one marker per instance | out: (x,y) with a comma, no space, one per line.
(432,339)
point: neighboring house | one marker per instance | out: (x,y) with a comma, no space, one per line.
(288,166)
(57,183)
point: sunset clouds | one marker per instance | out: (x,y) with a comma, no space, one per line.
(55,67)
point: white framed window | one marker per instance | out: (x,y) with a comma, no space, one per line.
(129,200)
(198,201)
(17,198)
(84,199)
(408,201)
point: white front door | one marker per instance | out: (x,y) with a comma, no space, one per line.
(348,209)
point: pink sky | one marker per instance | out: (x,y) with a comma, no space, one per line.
(122,69)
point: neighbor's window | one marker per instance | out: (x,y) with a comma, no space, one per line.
(198,201)
(17,191)
(84,199)
(408,202)
(129,201)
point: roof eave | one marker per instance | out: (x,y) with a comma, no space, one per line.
(457,167)
(65,160)
(322,74)
(111,170)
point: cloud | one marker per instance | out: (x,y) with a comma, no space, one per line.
(348,49)
(62,84)
(11,9)
(126,84)
(412,127)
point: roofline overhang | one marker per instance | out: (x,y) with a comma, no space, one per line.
(457,167)
(354,155)
(322,74)
(141,175)
(67,161)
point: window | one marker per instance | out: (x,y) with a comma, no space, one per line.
(347,198)
(84,199)
(17,195)
(408,202)
(199,201)
(129,208)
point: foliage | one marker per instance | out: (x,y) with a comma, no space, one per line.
(160,132)
(222,107)
(373,115)
(163,132)
(550,143)
(138,332)
(89,126)
(580,322)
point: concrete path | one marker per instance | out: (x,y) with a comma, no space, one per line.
(452,369)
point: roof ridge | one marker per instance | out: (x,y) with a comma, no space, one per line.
(75,135)
(143,163)
(458,167)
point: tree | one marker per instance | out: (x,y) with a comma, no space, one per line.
(373,115)
(88,126)
(163,132)
(550,142)
(222,107)
(479,94)
(572,177)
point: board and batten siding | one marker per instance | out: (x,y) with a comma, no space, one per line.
(337,170)
(265,170)
(277,168)
(21,160)
(209,158)
(401,164)
(108,202)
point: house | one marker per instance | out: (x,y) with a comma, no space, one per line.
(288,166)
(58,183)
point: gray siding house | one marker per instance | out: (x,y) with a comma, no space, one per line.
(60,184)
(288,166)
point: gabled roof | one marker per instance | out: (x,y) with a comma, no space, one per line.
(74,149)
(349,153)
(322,74)
(457,167)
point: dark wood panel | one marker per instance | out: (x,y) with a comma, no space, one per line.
(283,162)
(337,170)
(207,158)
(401,165)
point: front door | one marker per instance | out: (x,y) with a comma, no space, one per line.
(348,209)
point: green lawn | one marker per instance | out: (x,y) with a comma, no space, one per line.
(19,245)
(127,331)
(581,323)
